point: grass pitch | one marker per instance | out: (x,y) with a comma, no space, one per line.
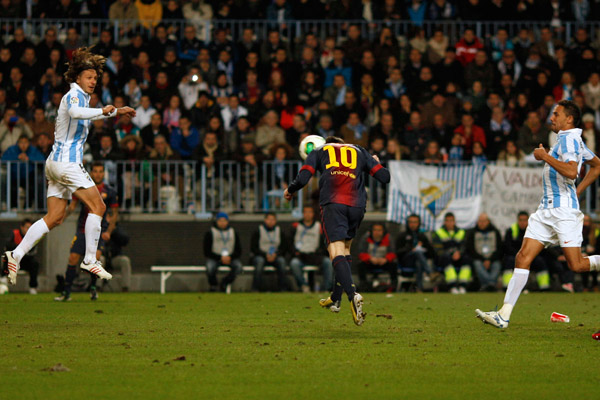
(271,346)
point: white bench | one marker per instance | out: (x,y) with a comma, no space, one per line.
(167,270)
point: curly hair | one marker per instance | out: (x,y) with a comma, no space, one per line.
(82,60)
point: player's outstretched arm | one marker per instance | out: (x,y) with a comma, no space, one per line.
(590,176)
(77,112)
(376,170)
(304,175)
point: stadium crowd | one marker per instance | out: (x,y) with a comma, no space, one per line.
(433,99)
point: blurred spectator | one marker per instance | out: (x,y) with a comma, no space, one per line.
(107,150)
(418,40)
(132,148)
(437,44)
(438,105)
(197,11)
(310,92)
(385,46)
(309,249)
(412,69)
(126,10)
(432,153)
(325,126)
(298,129)
(222,246)
(509,65)
(470,133)
(334,95)
(44,144)
(105,44)
(456,151)
(27,107)
(30,66)
(591,91)
(377,254)
(547,45)
(185,138)
(222,87)
(511,156)
(160,42)
(154,129)
(449,242)
(172,11)
(417,10)
(39,124)
(28,262)
(136,45)
(327,50)
(338,66)
(484,247)
(354,46)
(353,131)
(23,172)
(242,129)
(269,132)
(189,46)
(118,68)
(413,249)
(16,88)
(395,86)
(280,11)
(18,45)
(441,132)
(480,70)
(499,130)
(268,248)
(449,69)
(172,113)
(589,246)
(532,133)
(124,127)
(209,153)
(513,239)
(415,136)
(385,128)
(590,134)
(231,112)
(247,44)
(368,65)
(143,113)
(12,128)
(467,47)
(133,92)
(190,85)
(107,89)
(500,43)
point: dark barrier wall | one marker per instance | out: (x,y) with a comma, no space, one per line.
(172,243)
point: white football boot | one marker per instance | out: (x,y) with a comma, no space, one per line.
(357,312)
(10,267)
(96,269)
(493,318)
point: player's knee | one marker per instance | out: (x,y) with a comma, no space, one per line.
(523,260)
(73,259)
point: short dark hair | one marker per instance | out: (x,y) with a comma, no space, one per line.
(26,221)
(413,216)
(270,214)
(334,139)
(97,164)
(523,212)
(571,109)
(449,214)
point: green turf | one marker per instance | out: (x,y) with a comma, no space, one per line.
(260,346)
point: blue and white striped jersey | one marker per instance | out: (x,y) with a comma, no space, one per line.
(72,122)
(560,191)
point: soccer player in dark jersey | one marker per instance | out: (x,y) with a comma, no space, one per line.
(110,197)
(343,200)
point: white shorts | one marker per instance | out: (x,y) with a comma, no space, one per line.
(64,178)
(559,225)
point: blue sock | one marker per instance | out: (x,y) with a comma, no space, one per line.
(343,275)
(70,277)
(337,286)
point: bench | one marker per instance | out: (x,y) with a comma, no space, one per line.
(167,270)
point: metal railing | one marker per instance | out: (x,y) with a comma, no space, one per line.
(179,187)
(290,30)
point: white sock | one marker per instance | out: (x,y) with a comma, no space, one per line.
(93,226)
(594,263)
(35,233)
(515,287)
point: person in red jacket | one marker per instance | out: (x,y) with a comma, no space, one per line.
(471,133)
(377,252)
(467,47)
(29,262)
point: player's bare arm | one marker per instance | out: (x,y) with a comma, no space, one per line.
(566,169)
(590,176)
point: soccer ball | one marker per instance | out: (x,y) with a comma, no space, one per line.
(3,285)
(309,144)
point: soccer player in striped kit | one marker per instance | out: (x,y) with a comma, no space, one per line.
(343,199)
(64,169)
(558,219)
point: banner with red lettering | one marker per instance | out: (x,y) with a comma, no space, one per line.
(508,190)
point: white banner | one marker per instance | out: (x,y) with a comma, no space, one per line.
(432,191)
(508,190)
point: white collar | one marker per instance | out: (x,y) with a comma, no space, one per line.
(575,131)
(76,86)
